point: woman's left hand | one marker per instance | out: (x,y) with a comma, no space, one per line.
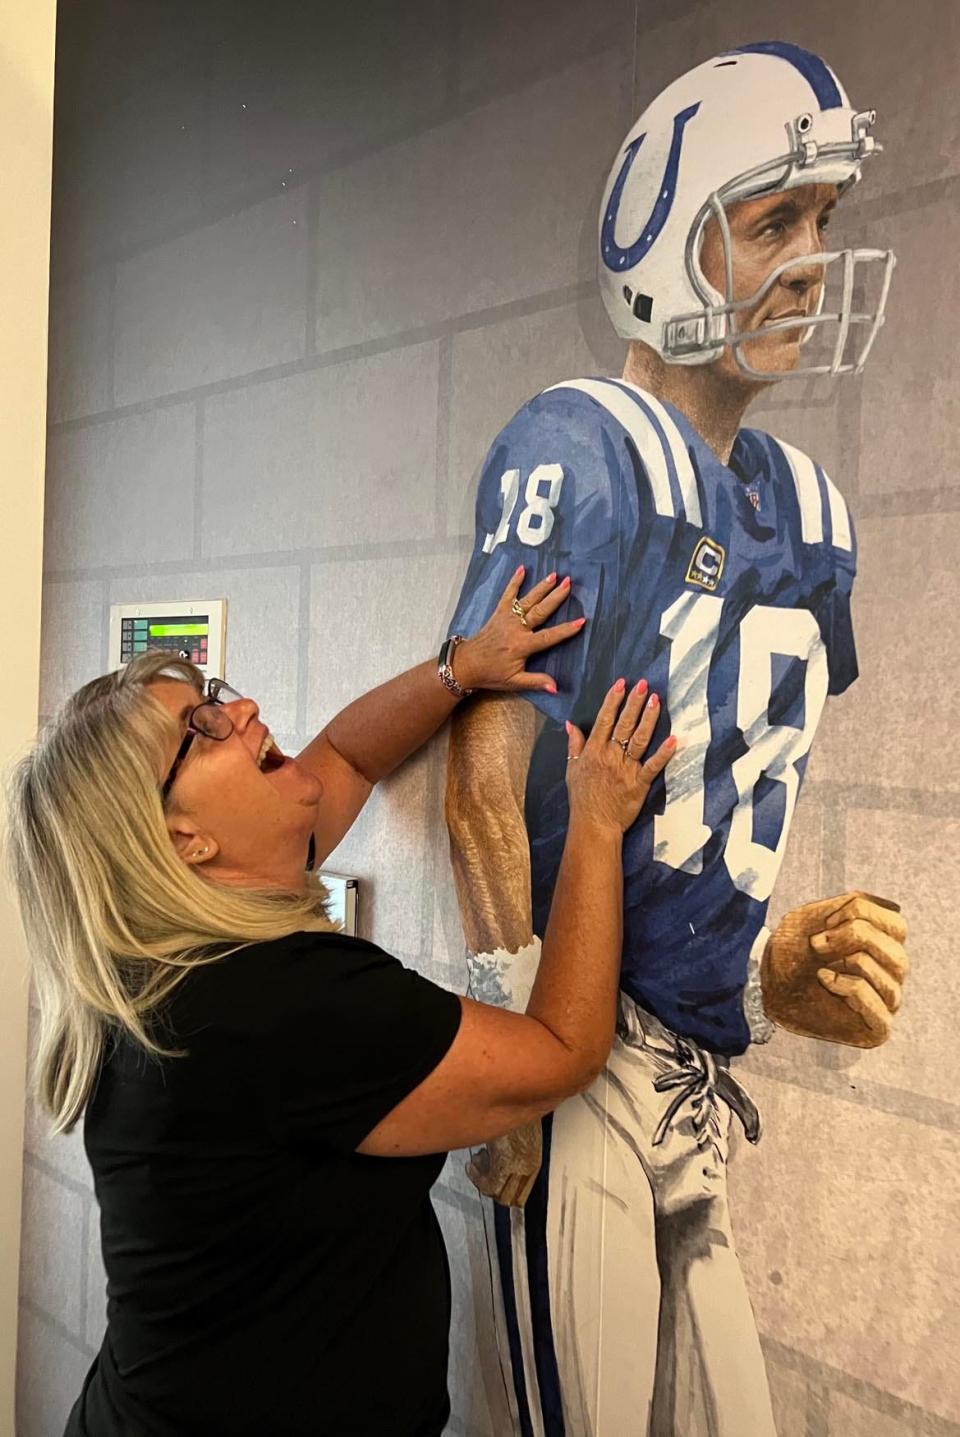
(496,657)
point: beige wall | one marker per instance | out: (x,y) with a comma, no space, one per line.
(26,128)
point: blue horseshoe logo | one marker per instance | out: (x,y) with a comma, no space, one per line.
(619,259)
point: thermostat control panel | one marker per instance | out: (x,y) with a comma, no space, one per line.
(192,629)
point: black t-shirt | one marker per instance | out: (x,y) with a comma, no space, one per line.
(263,1277)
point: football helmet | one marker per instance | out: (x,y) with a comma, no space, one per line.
(756,120)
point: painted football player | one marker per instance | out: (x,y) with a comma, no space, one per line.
(716,563)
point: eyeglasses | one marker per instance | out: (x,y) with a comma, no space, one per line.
(208,719)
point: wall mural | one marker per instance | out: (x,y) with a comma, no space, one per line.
(715,562)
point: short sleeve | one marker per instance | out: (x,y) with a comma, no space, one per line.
(550,498)
(351,1033)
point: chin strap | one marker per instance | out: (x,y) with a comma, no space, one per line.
(311,853)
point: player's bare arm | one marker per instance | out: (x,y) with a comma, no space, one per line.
(491,740)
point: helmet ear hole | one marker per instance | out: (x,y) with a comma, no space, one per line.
(642,307)
(804,124)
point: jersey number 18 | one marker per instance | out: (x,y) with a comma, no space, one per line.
(536,518)
(680,833)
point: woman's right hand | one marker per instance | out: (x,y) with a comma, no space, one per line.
(608,774)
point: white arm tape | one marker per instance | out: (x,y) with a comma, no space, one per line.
(761,1028)
(504,979)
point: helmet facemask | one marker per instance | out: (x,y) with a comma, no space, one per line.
(844,324)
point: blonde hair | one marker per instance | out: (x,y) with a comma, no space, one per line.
(114,918)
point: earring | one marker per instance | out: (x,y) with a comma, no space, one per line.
(200,852)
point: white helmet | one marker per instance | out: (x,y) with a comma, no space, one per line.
(759,119)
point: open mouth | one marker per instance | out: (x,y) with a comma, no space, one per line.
(269,756)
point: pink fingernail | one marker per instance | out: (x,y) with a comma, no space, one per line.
(579,623)
(654,701)
(620,685)
(641,686)
(519,571)
(551,577)
(568,726)
(565,583)
(550,688)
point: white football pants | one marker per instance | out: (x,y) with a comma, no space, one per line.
(622,1310)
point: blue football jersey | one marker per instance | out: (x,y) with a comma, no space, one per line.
(728,588)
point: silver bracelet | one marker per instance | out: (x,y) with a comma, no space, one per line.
(445,667)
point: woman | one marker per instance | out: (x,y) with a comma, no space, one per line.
(245,1070)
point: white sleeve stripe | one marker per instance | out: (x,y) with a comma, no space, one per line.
(808,492)
(681,455)
(839,516)
(635,422)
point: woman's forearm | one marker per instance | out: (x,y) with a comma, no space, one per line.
(378,731)
(575,993)
(383,727)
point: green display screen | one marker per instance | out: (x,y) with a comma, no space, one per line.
(171,631)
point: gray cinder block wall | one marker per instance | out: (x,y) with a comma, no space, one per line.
(307,259)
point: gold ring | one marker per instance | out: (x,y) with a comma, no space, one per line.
(517,608)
